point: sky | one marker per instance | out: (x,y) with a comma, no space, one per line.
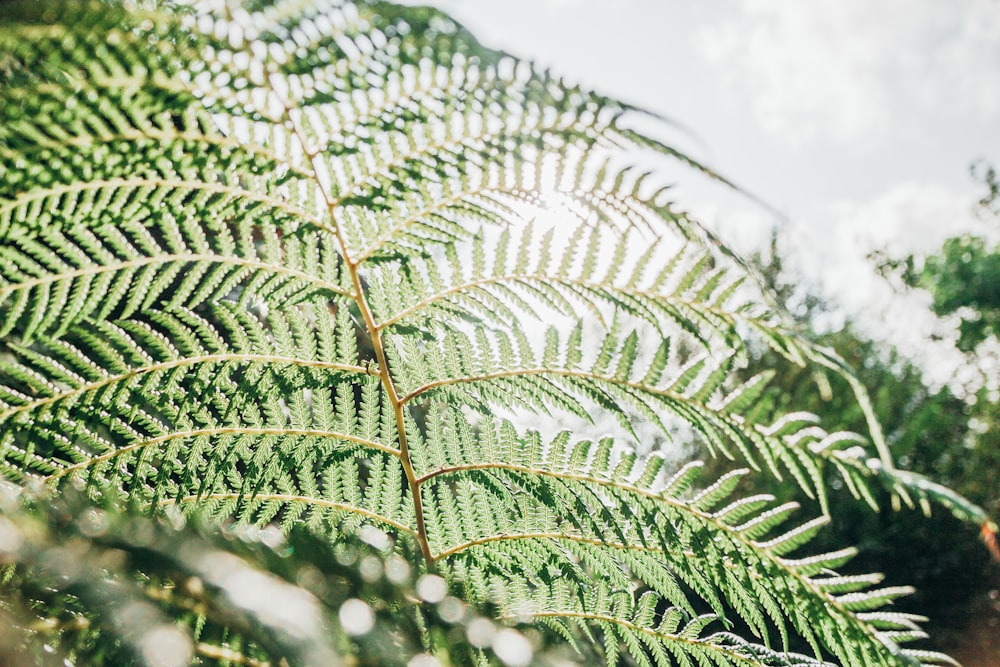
(857,120)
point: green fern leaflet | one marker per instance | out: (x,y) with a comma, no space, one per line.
(335,264)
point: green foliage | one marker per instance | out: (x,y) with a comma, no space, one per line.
(952,439)
(929,432)
(964,276)
(237,596)
(964,280)
(336,267)
(987,173)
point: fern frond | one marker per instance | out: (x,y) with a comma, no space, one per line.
(518,281)
(178,405)
(631,627)
(96,585)
(56,278)
(496,369)
(326,264)
(566,513)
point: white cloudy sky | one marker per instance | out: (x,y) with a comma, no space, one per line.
(857,119)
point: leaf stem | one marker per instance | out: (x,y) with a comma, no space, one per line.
(374,333)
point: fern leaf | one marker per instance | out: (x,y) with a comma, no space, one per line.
(335,264)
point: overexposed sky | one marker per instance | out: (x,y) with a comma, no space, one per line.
(797,100)
(857,119)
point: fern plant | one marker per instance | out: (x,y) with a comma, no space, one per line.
(237,596)
(333,264)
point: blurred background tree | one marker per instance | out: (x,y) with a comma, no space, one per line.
(936,431)
(964,276)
